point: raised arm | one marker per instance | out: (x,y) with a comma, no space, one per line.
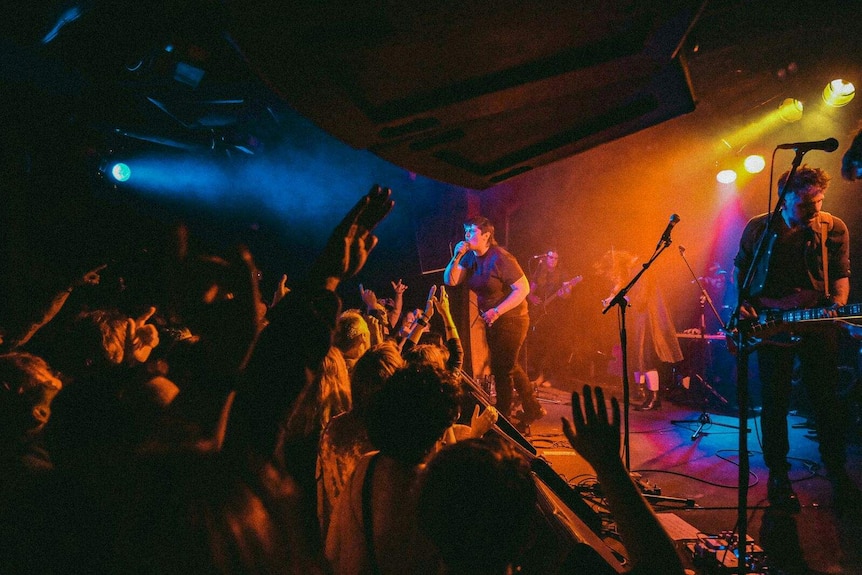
(454,273)
(598,440)
(398,301)
(351,241)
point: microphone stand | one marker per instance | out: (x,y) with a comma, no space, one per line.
(704,419)
(742,353)
(620,300)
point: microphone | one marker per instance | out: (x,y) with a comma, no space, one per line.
(827,145)
(540,256)
(665,237)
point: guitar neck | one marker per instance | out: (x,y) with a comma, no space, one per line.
(572,282)
(817,313)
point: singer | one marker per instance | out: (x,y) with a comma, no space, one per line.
(501,289)
(795,274)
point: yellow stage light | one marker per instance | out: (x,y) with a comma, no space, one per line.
(838,93)
(790,110)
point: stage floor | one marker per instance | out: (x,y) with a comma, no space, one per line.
(705,470)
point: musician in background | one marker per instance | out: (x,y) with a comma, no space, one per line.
(501,291)
(715,283)
(652,348)
(546,353)
(792,276)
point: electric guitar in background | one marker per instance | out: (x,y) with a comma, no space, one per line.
(539,310)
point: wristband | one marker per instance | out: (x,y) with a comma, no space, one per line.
(422,321)
(496,310)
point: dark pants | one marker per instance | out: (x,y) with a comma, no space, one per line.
(505,338)
(818,357)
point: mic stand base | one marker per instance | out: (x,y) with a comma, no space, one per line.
(702,421)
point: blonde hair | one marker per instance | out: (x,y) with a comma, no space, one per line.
(352,335)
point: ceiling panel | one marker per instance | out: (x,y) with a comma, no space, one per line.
(473,93)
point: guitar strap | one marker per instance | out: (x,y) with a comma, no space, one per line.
(824,233)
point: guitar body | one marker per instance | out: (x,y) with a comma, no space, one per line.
(538,311)
(781,321)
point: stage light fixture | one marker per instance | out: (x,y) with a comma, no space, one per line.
(121,172)
(754,164)
(790,110)
(726,176)
(838,93)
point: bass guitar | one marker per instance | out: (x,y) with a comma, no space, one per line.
(541,308)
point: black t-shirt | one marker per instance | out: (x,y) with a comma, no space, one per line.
(491,276)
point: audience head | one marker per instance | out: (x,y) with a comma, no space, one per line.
(477,504)
(96,340)
(372,370)
(27,387)
(325,397)
(426,354)
(352,335)
(409,414)
(433,338)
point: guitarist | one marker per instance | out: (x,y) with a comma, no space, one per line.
(806,264)
(548,286)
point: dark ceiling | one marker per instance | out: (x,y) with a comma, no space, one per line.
(469,92)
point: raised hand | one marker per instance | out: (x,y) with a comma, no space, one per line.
(351,240)
(281,290)
(91,277)
(368,297)
(141,337)
(461,248)
(595,437)
(481,423)
(375,330)
(399,288)
(441,302)
(429,303)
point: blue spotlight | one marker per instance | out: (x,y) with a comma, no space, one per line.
(121,172)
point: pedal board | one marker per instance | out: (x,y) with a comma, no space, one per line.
(719,555)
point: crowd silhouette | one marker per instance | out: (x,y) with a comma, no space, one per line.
(189,425)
